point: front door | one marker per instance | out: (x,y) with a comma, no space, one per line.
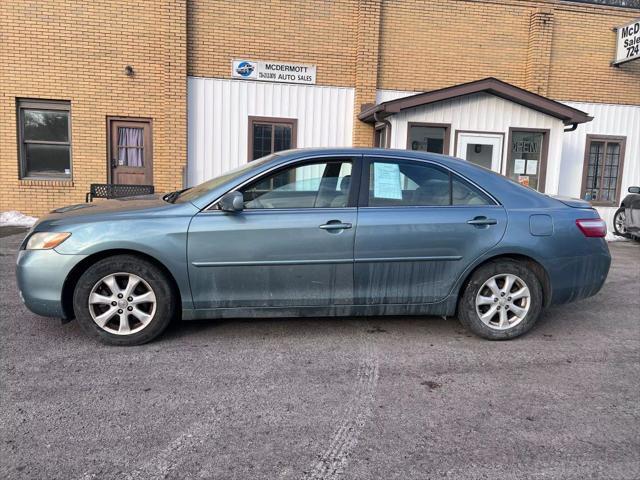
(419,228)
(484,149)
(130,152)
(292,245)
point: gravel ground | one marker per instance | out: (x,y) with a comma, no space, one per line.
(374,398)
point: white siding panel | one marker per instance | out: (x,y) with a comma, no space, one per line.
(563,176)
(619,120)
(218,111)
(485,113)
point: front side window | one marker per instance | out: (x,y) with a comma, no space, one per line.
(312,185)
(45,139)
(604,157)
(405,183)
(270,135)
(428,138)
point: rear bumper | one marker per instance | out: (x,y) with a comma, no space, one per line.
(574,278)
(40,276)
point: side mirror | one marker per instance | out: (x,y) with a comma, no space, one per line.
(231,202)
(634,189)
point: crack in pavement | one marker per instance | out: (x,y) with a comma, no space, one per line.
(169,458)
(334,459)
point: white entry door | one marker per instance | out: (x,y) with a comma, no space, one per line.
(484,149)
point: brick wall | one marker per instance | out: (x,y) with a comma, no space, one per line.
(558,49)
(300,31)
(582,47)
(77,51)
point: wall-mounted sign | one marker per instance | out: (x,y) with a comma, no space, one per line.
(273,71)
(627,42)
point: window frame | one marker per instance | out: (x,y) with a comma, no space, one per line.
(23,104)
(272,122)
(622,140)
(382,131)
(364,184)
(447,135)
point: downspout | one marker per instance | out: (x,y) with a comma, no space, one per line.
(571,128)
(387,124)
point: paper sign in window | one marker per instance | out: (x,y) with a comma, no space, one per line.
(518,165)
(532,167)
(386,181)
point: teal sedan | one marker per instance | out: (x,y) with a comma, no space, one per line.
(331,232)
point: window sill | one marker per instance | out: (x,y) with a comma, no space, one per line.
(46,182)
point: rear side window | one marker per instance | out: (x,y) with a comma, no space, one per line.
(406,183)
(463,193)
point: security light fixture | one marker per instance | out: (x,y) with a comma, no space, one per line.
(128,70)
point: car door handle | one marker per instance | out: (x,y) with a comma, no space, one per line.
(335,225)
(479,221)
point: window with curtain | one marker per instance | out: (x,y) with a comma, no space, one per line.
(45,139)
(602,176)
(130,147)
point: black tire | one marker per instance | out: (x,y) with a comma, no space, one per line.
(468,315)
(165,299)
(616,217)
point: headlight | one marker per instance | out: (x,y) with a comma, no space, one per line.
(46,240)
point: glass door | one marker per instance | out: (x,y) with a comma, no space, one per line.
(483,149)
(528,158)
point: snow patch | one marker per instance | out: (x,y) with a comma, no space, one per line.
(615,238)
(16,219)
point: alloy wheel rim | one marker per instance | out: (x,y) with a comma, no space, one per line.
(122,303)
(619,220)
(503,301)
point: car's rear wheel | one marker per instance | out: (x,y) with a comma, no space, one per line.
(502,300)
(124,300)
(618,222)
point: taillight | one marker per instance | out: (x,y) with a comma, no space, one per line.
(592,227)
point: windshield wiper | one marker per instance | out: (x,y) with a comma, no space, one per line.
(173,196)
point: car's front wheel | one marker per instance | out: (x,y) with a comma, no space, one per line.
(502,300)
(619,222)
(124,300)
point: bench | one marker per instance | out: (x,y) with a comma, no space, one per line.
(117,190)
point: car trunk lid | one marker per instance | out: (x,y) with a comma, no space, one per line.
(572,202)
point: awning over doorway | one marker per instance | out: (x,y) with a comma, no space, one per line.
(568,115)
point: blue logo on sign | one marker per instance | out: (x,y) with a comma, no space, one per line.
(245,69)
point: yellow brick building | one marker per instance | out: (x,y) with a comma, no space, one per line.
(146,92)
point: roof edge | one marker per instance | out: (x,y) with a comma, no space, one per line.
(492,85)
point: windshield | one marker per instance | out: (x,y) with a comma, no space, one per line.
(195,192)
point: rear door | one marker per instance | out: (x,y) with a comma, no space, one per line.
(419,227)
(292,245)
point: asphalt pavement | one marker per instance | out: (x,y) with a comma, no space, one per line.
(369,398)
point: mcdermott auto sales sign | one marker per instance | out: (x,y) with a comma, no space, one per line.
(273,71)
(628,42)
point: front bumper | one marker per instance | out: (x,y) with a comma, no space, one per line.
(41,275)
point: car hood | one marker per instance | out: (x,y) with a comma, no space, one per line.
(146,205)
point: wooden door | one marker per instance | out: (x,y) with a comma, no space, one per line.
(130,152)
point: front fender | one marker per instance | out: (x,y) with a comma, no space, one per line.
(161,238)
